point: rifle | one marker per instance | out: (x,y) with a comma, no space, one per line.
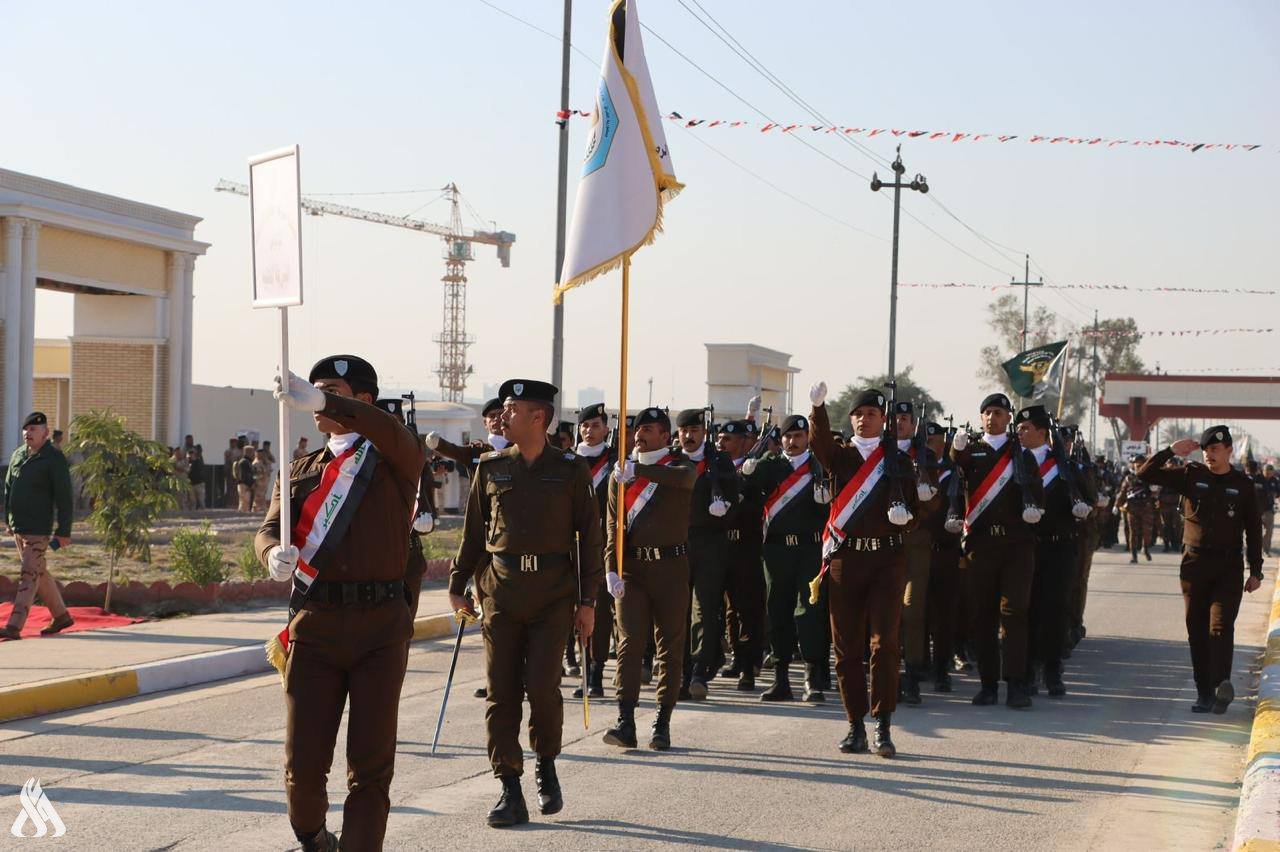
(761,446)
(1019,468)
(889,441)
(919,444)
(711,454)
(1066,469)
(410,413)
(955,489)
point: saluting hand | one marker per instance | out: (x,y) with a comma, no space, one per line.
(818,394)
(1185,447)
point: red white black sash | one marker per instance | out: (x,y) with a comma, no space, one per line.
(599,470)
(325,516)
(989,489)
(800,479)
(640,492)
(852,501)
(1049,470)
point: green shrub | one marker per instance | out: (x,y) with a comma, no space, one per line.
(251,567)
(195,556)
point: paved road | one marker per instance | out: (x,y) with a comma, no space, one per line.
(1119,764)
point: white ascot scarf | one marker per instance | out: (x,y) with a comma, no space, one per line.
(866,446)
(339,444)
(996,442)
(588,451)
(497,442)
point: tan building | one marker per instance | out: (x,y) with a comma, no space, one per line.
(738,371)
(129,266)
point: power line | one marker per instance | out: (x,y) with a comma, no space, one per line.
(533,26)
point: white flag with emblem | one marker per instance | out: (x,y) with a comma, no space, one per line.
(627,174)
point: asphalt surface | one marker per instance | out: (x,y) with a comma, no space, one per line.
(1119,763)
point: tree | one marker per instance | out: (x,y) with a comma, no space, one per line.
(130,481)
(908,389)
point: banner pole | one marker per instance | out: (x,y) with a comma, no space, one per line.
(1062,389)
(621,511)
(285,449)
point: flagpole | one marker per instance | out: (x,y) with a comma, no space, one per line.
(621,511)
(1062,389)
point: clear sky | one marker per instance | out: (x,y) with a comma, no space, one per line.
(156,101)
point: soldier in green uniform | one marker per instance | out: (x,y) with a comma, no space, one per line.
(1219,508)
(794,512)
(593,428)
(745,592)
(945,589)
(527,504)
(652,591)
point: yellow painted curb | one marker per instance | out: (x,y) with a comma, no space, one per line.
(1257,845)
(433,626)
(1271,655)
(1265,738)
(1275,607)
(67,693)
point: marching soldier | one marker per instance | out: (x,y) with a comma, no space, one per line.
(424,514)
(745,578)
(1218,507)
(526,504)
(795,510)
(349,630)
(1002,503)
(945,595)
(714,491)
(918,544)
(862,547)
(652,592)
(1170,522)
(1090,538)
(593,428)
(1135,499)
(1267,506)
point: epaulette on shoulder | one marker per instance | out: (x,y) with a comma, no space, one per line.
(491,455)
(570,456)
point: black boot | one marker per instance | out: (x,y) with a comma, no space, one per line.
(909,687)
(1146,551)
(1222,697)
(481,692)
(323,840)
(1053,680)
(747,679)
(824,676)
(661,737)
(781,689)
(882,742)
(941,678)
(697,684)
(511,809)
(1204,701)
(549,799)
(988,695)
(855,742)
(623,733)
(1018,698)
(735,667)
(595,688)
(1032,682)
(813,684)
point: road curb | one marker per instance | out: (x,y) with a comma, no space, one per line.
(1258,817)
(70,693)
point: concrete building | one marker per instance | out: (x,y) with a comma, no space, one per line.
(738,371)
(130,267)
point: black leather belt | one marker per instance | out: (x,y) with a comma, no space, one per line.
(653,554)
(885,542)
(530,563)
(997,531)
(1213,551)
(354,593)
(796,539)
(1054,539)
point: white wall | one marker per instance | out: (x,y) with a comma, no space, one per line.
(115,316)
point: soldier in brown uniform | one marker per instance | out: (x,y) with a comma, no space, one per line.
(918,543)
(1218,507)
(593,428)
(529,506)
(652,592)
(1002,504)
(348,636)
(1138,504)
(862,546)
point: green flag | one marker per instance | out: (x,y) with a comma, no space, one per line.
(1037,371)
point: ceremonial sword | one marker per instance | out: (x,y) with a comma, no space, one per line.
(582,643)
(462,616)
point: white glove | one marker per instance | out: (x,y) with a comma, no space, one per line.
(1116,511)
(961,440)
(753,407)
(615,584)
(1081,509)
(718,508)
(281,561)
(1031,515)
(925,492)
(1102,501)
(818,394)
(624,472)
(953,525)
(821,493)
(301,395)
(749,466)
(432,440)
(899,515)
(424,523)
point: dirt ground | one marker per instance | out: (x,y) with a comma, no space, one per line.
(86,560)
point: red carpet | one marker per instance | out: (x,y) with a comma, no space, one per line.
(87,618)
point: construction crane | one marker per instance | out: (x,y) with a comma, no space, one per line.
(453,340)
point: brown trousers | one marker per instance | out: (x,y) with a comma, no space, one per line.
(657,594)
(1000,577)
(34,579)
(602,633)
(1211,590)
(915,598)
(865,591)
(340,654)
(526,619)
(245,493)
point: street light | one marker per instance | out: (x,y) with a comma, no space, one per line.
(917,184)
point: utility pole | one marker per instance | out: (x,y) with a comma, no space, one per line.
(650,392)
(557,321)
(1026,284)
(918,184)
(1093,403)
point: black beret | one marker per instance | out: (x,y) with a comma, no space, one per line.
(932,428)
(566,427)
(1070,431)
(689,417)
(528,390)
(35,418)
(904,406)
(591,412)
(752,428)
(1215,435)
(998,400)
(742,428)
(355,371)
(1036,414)
(491,406)
(795,421)
(653,415)
(871,396)
(393,406)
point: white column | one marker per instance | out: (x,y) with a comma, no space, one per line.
(177,343)
(12,305)
(30,255)
(188,340)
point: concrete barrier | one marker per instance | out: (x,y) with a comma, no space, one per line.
(1258,818)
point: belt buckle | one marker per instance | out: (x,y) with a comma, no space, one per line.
(650,554)
(733,535)
(528,563)
(792,540)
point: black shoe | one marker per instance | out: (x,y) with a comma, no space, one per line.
(747,681)
(1133,560)
(988,695)
(812,685)
(961,664)
(549,799)
(697,685)
(733,669)
(909,687)
(595,685)
(623,732)
(572,670)
(1222,696)
(660,740)
(855,742)
(942,682)
(1053,682)
(1032,683)
(824,676)
(1204,703)
(768,661)
(323,840)
(781,689)
(881,741)
(58,625)
(1018,698)
(684,694)
(1147,552)
(511,809)
(481,692)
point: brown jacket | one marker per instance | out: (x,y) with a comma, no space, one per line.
(977,460)
(844,463)
(376,546)
(665,522)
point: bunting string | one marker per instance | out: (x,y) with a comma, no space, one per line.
(1210,291)
(1182,332)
